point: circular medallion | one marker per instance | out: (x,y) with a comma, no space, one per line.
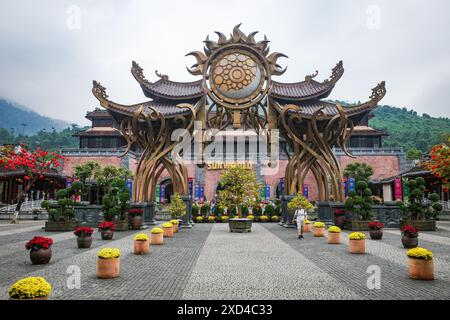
(236,77)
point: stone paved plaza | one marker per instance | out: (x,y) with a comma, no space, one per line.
(209,262)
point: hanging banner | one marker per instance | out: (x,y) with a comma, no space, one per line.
(202,193)
(69,182)
(305,191)
(262,192)
(190,183)
(267,191)
(351,184)
(162,194)
(129,186)
(197,191)
(158,193)
(405,189)
(345,187)
(398,189)
(281,186)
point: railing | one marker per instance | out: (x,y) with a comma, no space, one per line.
(27,206)
(370,151)
(94,152)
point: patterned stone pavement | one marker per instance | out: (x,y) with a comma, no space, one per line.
(209,262)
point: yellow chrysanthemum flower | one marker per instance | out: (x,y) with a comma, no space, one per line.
(250,217)
(157,230)
(307,222)
(30,288)
(141,237)
(199,219)
(167,225)
(420,253)
(334,229)
(108,253)
(175,222)
(319,225)
(357,236)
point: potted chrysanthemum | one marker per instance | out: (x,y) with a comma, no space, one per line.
(263,218)
(199,219)
(106,229)
(30,288)
(319,229)
(410,236)
(307,226)
(157,236)
(376,230)
(84,237)
(40,250)
(168,229)
(420,264)
(175,223)
(334,235)
(141,243)
(108,263)
(357,242)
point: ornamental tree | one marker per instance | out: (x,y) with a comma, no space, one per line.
(239,188)
(177,207)
(359,202)
(300,202)
(359,171)
(34,164)
(439,164)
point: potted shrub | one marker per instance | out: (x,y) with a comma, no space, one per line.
(359,204)
(30,288)
(175,223)
(108,263)
(199,219)
(135,218)
(410,237)
(376,230)
(84,237)
(357,242)
(420,264)
(157,236)
(224,218)
(257,212)
(40,250)
(211,218)
(319,229)
(264,218)
(141,244)
(339,218)
(307,226)
(275,219)
(106,229)
(177,208)
(168,229)
(334,235)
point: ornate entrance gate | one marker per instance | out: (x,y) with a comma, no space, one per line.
(236,90)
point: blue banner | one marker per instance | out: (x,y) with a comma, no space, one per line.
(351,184)
(197,191)
(202,193)
(281,186)
(267,191)
(191,183)
(305,191)
(69,183)
(345,186)
(129,186)
(162,193)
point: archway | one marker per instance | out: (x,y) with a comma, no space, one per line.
(168,189)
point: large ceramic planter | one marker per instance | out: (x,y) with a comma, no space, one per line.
(410,243)
(376,234)
(84,242)
(60,226)
(334,237)
(319,232)
(357,225)
(157,238)
(357,246)
(107,234)
(41,256)
(240,225)
(136,222)
(168,231)
(421,269)
(141,247)
(108,268)
(307,227)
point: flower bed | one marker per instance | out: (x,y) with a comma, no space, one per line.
(30,288)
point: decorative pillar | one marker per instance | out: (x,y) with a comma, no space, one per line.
(187,218)
(287,214)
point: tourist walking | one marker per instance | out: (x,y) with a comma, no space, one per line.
(300,217)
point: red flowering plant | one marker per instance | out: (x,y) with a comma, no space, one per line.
(439,164)
(38,243)
(135,212)
(83,232)
(106,225)
(33,164)
(409,231)
(376,225)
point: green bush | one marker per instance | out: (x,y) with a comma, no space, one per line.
(52,213)
(360,202)
(61,194)
(194,210)
(269,210)
(245,211)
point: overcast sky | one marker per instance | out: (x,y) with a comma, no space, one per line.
(50,51)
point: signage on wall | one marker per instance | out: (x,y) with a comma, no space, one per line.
(398,188)
(227,165)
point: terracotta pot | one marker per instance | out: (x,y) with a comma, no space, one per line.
(41,256)
(84,242)
(108,268)
(319,232)
(334,237)
(421,269)
(307,227)
(107,234)
(157,238)
(376,234)
(168,232)
(141,247)
(136,222)
(357,246)
(40,298)
(410,243)
(175,228)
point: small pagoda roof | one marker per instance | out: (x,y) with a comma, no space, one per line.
(97,113)
(99,131)
(368,131)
